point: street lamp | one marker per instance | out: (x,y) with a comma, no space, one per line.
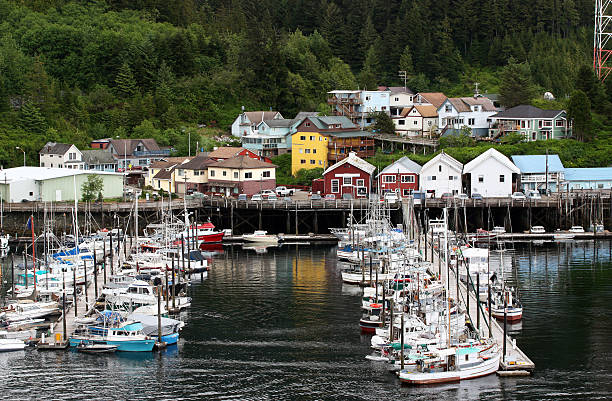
(17,147)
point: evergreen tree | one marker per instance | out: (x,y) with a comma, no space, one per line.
(516,86)
(369,75)
(587,82)
(405,62)
(383,124)
(31,120)
(579,110)
(332,27)
(125,84)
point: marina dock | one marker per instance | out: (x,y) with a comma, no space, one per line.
(515,358)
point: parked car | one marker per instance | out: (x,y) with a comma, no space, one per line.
(330,197)
(272,198)
(315,197)
(284,191)
(476,196)
(576,229)
(347,197)
(518,196)
(242,197)
(257,197)
(266,192)
(461,196)
(533,194)
(537,230)
(446,195)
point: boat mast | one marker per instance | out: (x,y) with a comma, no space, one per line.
(447,278)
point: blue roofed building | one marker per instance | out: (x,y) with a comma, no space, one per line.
(589,178)
(533,172)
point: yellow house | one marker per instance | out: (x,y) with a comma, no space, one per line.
(193,174)
(165,164)
(308,150)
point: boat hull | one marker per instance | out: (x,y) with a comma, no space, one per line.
(486,368)
(127,346)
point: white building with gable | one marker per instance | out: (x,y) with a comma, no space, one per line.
(490,174)
(440,175)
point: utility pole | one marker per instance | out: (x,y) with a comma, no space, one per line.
(403,75)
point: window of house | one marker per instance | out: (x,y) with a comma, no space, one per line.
(547,123)
(401,122)
(181,172)
(212,173)
(301,150)
(302,161)
(320,139)
(429,123)
(196,172)
(406,192)
(431,178)
(450,177)
(559,123)
(313,161)
(539,123)
(347,180)
(481,178)
(314,151)
(367,97)
(235,174)
(470,121)
(51,164)
(266,174)
(406,178)
(360,182)
(600,186)
(307,151)
(533,136)
(476,108)
(307,124)
(415,122)
(320,162)
(397,99)
(248,175)
(502,178)
(368,120)
(440,168)
(224,173)
(335,186)
(42,164)
(312,138)
(388,179)
(523,124)
(302,138)
(448,108)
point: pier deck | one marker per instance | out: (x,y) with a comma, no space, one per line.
(515,358)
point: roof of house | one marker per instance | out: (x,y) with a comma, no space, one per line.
(225,152)
(255,117)
(494,154)
(170,161)
(163,174)
(323,122)
(396,89)
(303,114)
(462,104)
(404,162)
(98,156)
(435,98)
(425,110)
(54,148)
(126,147)
(348,134)
(242,161)
(527,111)
(355,161)
(280,123)
(443,156)
(199,162)
(589,174)
(537,163)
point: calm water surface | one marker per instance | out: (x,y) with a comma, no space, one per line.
(281,325)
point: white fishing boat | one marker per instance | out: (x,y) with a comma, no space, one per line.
(261,236)
(140,293)
(29,310)
(11,344)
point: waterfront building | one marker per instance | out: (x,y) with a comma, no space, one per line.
(193,174)
(246,123)
(61,155)
(417,120)
(46,184)
(136,153)
(473,113)
(531,122)
(164,180)
(99,160)
(588,178)
(350,176)
(491,174)
(401,177)
(241,175)
(440,175)
(533,172)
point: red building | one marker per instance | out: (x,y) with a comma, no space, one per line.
(401,177)
(351,175)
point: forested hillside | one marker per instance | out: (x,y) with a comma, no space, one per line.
(73,71)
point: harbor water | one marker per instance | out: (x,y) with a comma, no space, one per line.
(279,324)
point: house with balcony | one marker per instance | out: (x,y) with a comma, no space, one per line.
(440,175)
(320,141)
(61,155)
(241,175)
(473,113)
(534,170)
(593,178)
(491,174)
(401,177)
(532,122)
(99,160)
(417,120)
(136,153)
(168,180)
(399,98)
(247,122)
(345,103)
(350,176)
(193,174)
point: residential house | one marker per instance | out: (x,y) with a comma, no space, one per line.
(347,103)
(247,122)
(373,102)
(352,175)
(417,120)
(531,122)
(359,105)
(533,172)
(440,175)
(61,155)
(241,175)
(401,177)
(473,113)
(161,174)
(399,98)
(136,153)
(99,160)
(227,152)
(322,140)
(100,143)
(588,178)
(434,98)
(193,174)
(491,174)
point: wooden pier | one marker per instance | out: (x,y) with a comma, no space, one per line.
(515,358)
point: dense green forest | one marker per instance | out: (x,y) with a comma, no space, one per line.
(73,71)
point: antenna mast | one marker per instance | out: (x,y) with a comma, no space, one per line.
(602,48)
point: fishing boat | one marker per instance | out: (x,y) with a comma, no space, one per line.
(261,236)
(24,310)
(559,236)
(514,309)
(170,327)
(371,320)
(205,233)
(11,344)
(111,329)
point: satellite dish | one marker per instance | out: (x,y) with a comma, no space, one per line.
(548,96)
